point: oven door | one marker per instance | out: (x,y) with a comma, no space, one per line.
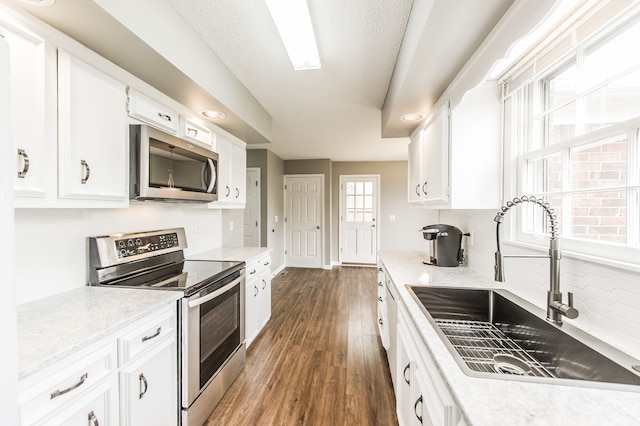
(212,331)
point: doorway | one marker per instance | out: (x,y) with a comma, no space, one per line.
(304,220)
(358,240)
(252,209)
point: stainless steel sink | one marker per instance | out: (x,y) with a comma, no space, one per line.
(494,333)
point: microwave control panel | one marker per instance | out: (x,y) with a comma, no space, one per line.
(127,247)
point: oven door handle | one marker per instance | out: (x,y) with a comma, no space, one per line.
(204,299)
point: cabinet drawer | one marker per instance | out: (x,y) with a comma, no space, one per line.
(62,384)
(152,112)
(145,336)
(195,132)
(93,409)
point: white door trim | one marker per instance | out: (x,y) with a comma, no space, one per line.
(322,215)
(376,215)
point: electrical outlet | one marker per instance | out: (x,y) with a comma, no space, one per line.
(231,226)
(392,217)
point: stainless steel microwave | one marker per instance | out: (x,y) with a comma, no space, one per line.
(164,167)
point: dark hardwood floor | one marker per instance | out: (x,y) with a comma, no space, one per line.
(319,360)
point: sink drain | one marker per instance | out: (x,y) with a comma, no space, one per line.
(508,364)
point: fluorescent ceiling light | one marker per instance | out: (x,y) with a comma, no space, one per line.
(294,25)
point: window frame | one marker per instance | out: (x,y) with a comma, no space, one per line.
(529,110)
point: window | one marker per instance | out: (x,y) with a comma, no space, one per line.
(573,131)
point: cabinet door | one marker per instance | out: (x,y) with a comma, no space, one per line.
(265,293)
(92,132)
(252,304)
(152,112)
(148,388)
(239,174)
(435,155)
(32,119)
(415,170)
(225,167)
(404,393)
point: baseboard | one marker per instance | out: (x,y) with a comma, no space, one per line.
(327,267)
(277,271)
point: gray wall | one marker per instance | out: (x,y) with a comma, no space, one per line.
(317,167)
(401,234)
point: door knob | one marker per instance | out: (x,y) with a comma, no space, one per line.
(318,227)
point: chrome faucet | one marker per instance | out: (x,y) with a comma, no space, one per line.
(555,308)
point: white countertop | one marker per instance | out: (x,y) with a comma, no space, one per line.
(57,326)
(494,401)
(239,254)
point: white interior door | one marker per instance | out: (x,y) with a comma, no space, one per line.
(252,209)
(358,213)
(303,221)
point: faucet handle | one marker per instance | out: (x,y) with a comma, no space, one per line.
(570,299)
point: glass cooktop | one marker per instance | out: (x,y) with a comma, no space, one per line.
(187,276)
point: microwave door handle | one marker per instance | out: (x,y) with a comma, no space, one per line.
(204,299)
(212,181)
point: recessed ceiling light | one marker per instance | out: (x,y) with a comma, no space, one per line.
(412,116)
(294,25)
(212,114)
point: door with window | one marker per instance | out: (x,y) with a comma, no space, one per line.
(303,221)
(358,213)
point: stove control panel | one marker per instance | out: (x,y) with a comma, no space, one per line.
(127,247)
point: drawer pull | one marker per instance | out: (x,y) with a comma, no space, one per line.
(93,419)
(157,333)
(87,172)
(164,116)
(415,409)
(25,163)
(62,392)
(404,373)
(143,382)
(192,132)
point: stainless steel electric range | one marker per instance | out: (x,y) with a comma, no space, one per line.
(211,337)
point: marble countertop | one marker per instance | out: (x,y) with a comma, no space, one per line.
(54,327)
(240,254)
(484,401)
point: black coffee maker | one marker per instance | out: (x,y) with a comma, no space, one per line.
(445,245)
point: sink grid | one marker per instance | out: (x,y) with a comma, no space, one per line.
(484,348)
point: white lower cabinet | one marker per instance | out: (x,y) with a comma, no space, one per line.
(422,397)
(257,297)
(103,385)
(146,395)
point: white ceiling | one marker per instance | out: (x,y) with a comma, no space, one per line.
(380,59)
(333,112)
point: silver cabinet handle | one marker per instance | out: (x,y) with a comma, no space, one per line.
(192,132)
(165,117)
(87,172)
(69,389)
(237,192)
(228,191)
(424,188)
(25,163)
(153,336)
(255,291)
(143,382)
(404,373)
(415,409)
(264,284)
(418,189)
(253,272)
(93,419)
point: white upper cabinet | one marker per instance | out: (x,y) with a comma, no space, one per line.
(152,112)
(476,157)
(455,162)
(232,173)
(429,162)
(32,85)
(92,133)
(192,130)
